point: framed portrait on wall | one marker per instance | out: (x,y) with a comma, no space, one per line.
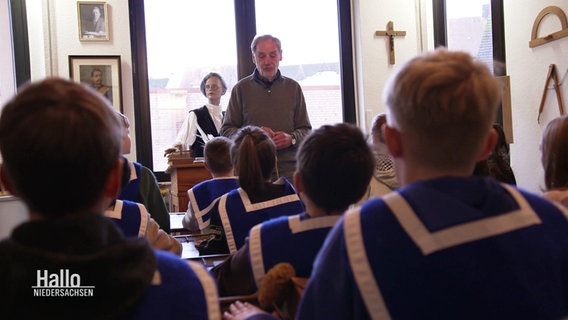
(101,73)
(93,21)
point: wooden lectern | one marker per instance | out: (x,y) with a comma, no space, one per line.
(185,172)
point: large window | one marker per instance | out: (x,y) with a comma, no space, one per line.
(310,51)
(469,28)
(185,41)
(176,42)
(475,26)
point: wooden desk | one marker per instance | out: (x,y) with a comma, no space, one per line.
(184,174)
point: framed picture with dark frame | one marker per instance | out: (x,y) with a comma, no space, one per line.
(93,21)
(101,73)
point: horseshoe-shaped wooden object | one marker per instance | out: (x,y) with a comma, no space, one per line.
(535,41)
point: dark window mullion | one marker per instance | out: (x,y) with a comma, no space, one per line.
(498,29)
(141,91)
(440,31)
(20,41)
(346,61)
(245,20)
(498,33)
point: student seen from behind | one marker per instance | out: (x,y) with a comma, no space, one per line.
(60,131)
(256,200)
(384,176)
(143,186)
(296,239)
(554,158)
(204,195)
(135,221)
(445,244)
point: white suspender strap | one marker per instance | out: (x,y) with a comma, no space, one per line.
(227,224)
(144,218)
(249,206)
(362,271)
(209,290)
(255,255)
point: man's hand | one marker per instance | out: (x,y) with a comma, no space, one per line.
(268,131)
(282,140)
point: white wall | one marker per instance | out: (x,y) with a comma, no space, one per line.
(54,36)
(528,68)
(371,52)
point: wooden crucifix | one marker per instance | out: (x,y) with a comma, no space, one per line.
(391,33)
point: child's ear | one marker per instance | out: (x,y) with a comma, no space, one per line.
(298,182)
(489,145)
(5,182)
(114,180)
(392,140)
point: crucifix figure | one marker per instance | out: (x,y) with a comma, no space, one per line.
(391,33)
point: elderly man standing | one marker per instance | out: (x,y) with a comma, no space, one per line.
(271,101)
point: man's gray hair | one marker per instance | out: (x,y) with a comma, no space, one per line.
(258,39)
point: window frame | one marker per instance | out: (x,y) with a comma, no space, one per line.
(20,42)
(497,24)
(497,29)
